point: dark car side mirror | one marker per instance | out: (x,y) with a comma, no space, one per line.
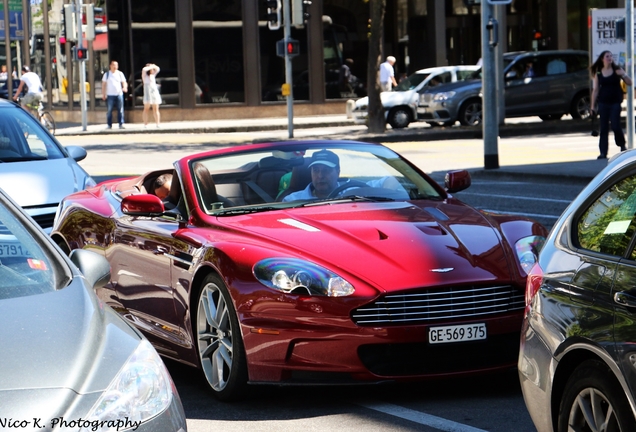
(93,266)
(142,205)
(456,181)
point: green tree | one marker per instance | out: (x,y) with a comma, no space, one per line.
(376,122)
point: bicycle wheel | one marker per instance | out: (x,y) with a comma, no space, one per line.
(47,121)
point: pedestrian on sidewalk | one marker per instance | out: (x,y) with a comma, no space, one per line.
(152,98)
(114,86)
(387,74)
(608,95)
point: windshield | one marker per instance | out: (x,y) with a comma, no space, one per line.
(25,266)
(23,139)
(412,81)
(294,175)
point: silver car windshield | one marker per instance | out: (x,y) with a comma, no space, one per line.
(25,267)
(23,139)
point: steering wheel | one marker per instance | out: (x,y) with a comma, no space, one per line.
(348,185)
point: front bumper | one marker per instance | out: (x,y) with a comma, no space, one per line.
(321,350)
(433,112)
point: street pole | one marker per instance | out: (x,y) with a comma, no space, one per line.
(629,64)
(288,69)
(82,63)
(489,121)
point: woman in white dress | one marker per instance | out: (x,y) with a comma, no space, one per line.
(152,98)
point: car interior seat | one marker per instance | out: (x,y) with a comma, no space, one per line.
(205,185)
(300,178)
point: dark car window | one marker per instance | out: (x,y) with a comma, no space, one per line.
(607,226)
(411,82)
(576,63)
(23,139)
(25,269)
(464,74)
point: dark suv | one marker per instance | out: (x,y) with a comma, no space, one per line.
(547,84)
(577,363)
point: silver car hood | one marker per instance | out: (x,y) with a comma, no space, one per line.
(41,182)
(61,340)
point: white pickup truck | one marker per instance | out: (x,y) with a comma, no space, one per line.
(400,105)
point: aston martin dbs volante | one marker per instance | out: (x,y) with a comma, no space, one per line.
(68,361)
(308,262)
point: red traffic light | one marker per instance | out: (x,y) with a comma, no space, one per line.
(292,47)
(80,54)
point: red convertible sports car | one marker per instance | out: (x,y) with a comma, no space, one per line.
(308,262)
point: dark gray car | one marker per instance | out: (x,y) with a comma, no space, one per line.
(69,362)
(577,360)
(548,84)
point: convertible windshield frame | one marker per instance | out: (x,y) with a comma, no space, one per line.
(250,181)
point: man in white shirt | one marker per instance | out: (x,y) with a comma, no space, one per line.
(387,74)
(114,86)
(34,89)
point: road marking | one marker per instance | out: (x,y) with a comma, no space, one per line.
(420,417)
(518,197)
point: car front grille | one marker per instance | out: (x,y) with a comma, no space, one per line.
(422,358)
(44,220)
(435,305)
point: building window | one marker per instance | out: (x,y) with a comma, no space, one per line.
(218,50)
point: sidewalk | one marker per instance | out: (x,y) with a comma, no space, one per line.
(237,132)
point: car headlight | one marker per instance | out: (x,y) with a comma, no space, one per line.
(295,276)
(528,251)
(440,97)
(141,390)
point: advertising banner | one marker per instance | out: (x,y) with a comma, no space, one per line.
(603,34)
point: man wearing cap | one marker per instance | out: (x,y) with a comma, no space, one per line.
(325,170)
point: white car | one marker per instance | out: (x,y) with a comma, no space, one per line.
(36,170)
(400,105)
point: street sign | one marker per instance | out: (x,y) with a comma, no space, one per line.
(16,28)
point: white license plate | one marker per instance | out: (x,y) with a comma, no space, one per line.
(457,333)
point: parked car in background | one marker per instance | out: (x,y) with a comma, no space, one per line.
(389,278)
(548,84)
(35,169)
(578,344)
(4,88)
(400,105)
(68,361)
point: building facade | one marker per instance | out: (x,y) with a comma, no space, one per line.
(218,57)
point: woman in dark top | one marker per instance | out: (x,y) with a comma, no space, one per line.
(607,93)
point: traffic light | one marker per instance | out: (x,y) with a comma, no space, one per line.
(91,21)
(619,24)
(300,12)
(70,23)
(80,54)
(292,47)
(274,20)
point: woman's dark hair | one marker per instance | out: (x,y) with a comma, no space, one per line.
(598,64)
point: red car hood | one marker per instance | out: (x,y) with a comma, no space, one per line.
(391,245)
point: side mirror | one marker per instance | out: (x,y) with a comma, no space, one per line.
(93,266)
(76,152)
(142,205)
(456,181)
(511,75)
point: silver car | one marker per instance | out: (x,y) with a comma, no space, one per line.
(548,84)
(35,169)
(400,105)
(69,362)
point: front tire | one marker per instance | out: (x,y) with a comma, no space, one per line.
(399,118)
(48,122)
(470,113)
(594,401)
(218,340)
(581,106)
